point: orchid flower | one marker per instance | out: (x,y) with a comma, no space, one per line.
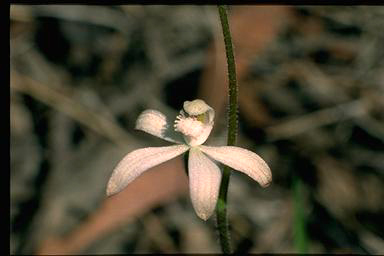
(194,123)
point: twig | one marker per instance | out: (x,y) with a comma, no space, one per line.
(63,103)
(317,119)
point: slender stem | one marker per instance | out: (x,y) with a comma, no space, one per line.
(222,221)
(299,224)
(232,113)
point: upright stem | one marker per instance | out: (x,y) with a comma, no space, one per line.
(221,211)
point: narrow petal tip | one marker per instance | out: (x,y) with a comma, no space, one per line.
(266,184)
(111,188)
(267,180)
(203,216)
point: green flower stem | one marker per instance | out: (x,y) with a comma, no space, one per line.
(299,222)
(221,210)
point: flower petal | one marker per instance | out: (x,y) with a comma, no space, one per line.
(198,134)
(138,161)
(198,107)
(204,183)
(155,123)
(242,160)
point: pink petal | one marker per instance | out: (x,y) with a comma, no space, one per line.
(200,138)
(155,123)
(204,183)
(242,160)
(138,161)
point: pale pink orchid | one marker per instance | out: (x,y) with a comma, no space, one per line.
(194,123)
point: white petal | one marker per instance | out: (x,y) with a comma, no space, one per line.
(204,183)
(198,107)
(201,137)
(242,160)
(138,161)
(155,123)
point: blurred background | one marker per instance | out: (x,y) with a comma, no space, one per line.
(311,100)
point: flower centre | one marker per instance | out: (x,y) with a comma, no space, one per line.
(195,122)
(191,126)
